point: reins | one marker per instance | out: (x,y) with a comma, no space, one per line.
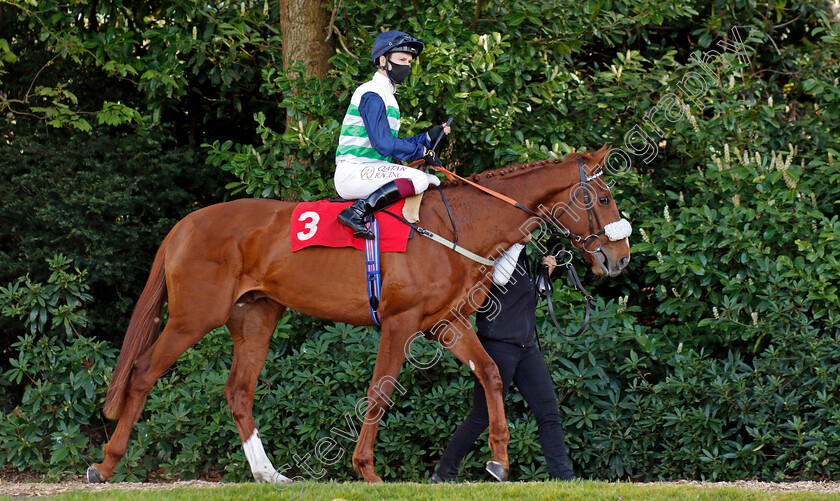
(552,221)
(452,176)
(544,280)
(546,287)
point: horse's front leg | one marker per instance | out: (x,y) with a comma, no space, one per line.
(389,360)
(468,350)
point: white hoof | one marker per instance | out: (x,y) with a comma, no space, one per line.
(269,475)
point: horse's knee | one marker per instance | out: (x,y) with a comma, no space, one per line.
(491,380)
(230,389)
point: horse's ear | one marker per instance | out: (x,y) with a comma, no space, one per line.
(598,158)
(600,154)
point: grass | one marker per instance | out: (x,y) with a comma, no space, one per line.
(357,491)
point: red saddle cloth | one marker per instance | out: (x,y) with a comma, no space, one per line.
(314,223)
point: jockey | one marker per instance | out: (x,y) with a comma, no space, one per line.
(369,138)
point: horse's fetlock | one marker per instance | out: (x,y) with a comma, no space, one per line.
(362,462)
(114,451)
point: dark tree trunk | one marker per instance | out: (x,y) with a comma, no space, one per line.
(304,26)
(306,31)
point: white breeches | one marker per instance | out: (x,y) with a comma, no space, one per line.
(354,181)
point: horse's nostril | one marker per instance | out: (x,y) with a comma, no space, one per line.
(622,263)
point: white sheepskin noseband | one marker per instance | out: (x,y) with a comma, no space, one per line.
(618,230)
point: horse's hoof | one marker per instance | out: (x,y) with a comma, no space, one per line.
(93,476)
(498,471)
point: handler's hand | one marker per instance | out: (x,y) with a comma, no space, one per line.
(551,262)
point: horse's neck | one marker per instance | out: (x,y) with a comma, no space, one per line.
(534,184)
(487,224)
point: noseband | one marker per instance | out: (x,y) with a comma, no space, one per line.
(617,230)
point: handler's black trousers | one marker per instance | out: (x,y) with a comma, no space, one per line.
(525,367)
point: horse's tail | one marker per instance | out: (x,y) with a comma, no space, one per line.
(142,331)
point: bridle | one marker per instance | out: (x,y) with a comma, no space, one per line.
(588,204)
(617,230)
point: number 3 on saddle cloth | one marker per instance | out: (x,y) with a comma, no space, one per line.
(315,223)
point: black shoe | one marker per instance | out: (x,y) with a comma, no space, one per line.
(354,216)
(436,479)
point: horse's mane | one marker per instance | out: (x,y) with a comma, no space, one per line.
(520,167)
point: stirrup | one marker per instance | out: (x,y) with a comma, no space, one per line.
(367,234)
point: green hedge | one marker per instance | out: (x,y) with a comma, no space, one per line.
(104,200)
(638,402)
(715,355)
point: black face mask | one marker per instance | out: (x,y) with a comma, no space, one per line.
(398,72)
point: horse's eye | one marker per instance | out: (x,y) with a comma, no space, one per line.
(604,200)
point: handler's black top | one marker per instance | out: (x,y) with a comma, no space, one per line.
(515,313)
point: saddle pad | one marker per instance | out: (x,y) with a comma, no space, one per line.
(314,223)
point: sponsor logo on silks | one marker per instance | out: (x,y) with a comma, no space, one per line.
(381,172)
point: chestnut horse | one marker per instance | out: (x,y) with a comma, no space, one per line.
(231,264)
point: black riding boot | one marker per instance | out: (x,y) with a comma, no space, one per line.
(354,216)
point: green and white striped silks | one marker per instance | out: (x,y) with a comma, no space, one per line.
(354,144)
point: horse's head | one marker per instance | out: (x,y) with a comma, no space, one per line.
(589,212)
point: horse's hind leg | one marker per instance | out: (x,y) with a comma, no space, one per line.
(175,339)
(251,326)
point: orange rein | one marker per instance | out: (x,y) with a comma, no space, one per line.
(452,176)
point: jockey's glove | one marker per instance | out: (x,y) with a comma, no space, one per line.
(431,158)
(434,133)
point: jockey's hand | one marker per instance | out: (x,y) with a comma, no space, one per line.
(551,262)
(436,132)
(431,159)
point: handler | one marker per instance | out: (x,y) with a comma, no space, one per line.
(369,138)
(509,340)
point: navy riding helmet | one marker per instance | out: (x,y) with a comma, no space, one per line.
(394,41)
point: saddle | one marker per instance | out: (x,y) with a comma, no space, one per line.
(315,224)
